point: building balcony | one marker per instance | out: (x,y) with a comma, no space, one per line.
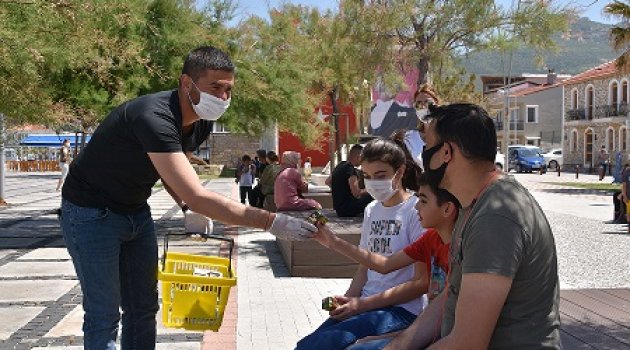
(597,112)
(518,125)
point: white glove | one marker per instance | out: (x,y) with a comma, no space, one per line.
(291,229)
(197,223)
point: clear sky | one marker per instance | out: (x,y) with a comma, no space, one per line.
(591,8)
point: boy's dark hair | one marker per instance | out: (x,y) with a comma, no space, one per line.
(442,196)
(394,152)
(261,153)
(272,156)
(246,158)
(206,58)
(469,127)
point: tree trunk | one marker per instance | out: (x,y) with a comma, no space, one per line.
(335,118)
(423,70)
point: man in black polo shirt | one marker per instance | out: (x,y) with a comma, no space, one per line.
(348,198)
(105,219)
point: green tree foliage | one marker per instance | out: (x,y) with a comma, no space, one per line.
(432,33)
(620,33)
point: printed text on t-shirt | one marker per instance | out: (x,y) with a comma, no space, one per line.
(380,233)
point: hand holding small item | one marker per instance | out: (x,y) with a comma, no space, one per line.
(197,225)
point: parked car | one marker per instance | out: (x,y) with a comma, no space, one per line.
(526,159)
(553,158)
(499,161)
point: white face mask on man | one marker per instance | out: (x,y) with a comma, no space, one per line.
(381,190)
(209,107)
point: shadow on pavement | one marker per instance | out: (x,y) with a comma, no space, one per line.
(621,232)
(578,191)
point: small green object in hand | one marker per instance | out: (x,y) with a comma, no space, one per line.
(329,304)
(317,218)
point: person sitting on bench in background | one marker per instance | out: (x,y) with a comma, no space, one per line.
(348,198)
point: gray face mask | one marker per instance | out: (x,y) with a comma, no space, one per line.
(209,107)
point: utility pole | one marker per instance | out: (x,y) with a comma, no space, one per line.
(507,91)
(3,161)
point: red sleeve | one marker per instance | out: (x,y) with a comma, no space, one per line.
(420,250)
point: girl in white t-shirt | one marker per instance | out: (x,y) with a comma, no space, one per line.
(375,303)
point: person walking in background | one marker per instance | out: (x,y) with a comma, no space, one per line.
(349,199)
(263,162)
(256,197)
(268,179)
(105,218)
(308,170)
(625,193)
(64,162)
(603,159)
(245,174)
(290,185)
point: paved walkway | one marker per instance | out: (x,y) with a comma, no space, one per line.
(40,302)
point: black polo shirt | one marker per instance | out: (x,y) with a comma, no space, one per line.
(114,170)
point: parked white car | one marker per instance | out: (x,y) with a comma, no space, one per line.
(499,161)
(553,158)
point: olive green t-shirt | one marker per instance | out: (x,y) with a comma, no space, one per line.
(506,233)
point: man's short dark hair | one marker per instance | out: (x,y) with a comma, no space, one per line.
(261,153)
(469,127)
(206,58)
(356,149)
(246,158)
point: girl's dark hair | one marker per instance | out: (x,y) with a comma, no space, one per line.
(394,152)
(442,196)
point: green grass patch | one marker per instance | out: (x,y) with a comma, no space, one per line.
(207,177)
(590,185)
(228,172)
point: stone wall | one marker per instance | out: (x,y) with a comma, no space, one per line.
(572,158)
(227,148)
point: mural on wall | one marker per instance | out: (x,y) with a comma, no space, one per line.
(395,111)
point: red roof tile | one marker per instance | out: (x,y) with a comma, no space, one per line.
(603,70)
(534,89)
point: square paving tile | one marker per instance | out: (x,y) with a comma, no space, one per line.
(71,324)
(5,252)
(20,291)
(46,253)
(37,269)
(18,243)
(15,318)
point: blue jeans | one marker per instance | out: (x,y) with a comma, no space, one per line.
(338,335)
(115,258)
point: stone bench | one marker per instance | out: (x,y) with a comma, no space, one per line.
(323,198)
(311,259)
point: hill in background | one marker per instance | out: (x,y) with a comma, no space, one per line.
(584,46)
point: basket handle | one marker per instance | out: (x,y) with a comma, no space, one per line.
(230,240)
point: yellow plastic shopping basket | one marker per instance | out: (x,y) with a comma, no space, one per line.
(195,288)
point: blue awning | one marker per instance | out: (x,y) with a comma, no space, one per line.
(50,140)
